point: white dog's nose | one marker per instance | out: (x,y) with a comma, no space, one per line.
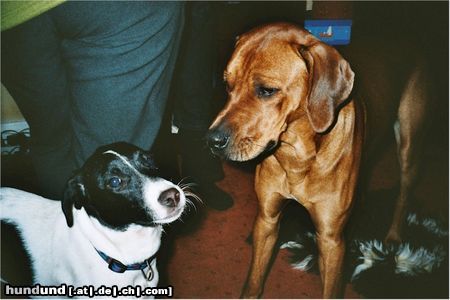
(170,197)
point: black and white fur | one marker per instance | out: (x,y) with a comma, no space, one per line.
(116,204)
(415,268)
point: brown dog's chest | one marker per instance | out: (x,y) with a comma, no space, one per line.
(307,164)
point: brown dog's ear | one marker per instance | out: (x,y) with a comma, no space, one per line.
(330,83)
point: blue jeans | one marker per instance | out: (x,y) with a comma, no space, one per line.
(85,74)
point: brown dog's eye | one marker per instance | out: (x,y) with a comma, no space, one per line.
(265,92)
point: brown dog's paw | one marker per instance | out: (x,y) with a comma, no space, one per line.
(393,237)
(248,294)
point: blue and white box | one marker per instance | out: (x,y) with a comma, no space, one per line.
(332,32)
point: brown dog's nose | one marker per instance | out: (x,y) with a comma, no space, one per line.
(169,198)
(217,140)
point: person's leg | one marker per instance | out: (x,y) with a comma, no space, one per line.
(193,80)
(34,74)
(193,93)
(193,113)
(120,56)
(90,73)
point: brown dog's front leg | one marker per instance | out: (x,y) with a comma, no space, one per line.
(331,244)
(331,258)
(265,234)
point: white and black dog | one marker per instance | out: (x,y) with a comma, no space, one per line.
(107,230)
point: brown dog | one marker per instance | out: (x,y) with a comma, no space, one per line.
(289,95)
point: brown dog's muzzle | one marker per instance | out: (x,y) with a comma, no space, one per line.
(218,139)
(220,142)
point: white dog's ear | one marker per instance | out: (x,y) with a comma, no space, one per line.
(74,195)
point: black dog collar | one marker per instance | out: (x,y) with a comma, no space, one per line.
(118,267)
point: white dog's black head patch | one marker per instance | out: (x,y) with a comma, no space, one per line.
(119,185)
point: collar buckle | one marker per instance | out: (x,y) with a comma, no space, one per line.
(116,266)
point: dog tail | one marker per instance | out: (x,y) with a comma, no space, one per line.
(304,252)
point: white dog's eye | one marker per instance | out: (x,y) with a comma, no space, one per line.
(115,182)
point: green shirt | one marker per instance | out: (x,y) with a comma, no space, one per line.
(16,12)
